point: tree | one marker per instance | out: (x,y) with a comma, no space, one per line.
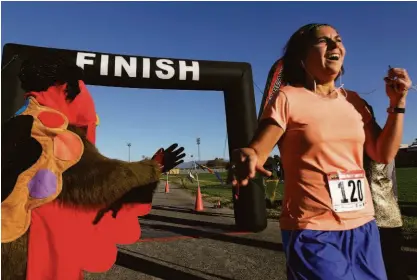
(271,187)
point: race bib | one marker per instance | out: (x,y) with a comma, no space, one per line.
(347,190)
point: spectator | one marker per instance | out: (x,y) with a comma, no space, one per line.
(383,184)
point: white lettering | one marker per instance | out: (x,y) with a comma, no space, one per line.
(194,68)
(146,68)
(130,68)
(82,59)
(164,67)
(165,64)
(104,65)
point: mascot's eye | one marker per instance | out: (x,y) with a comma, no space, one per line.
(19,150)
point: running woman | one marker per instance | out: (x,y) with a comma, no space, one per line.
(327,221)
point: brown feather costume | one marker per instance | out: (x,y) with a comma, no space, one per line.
(94,183)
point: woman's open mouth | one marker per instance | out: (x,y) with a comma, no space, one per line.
(333,56)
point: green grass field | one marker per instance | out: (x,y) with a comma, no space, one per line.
(407,184)
(407,196)
(211,188)
(213,191)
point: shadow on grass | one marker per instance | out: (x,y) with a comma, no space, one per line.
(407,203)
(409,211)
(408,208)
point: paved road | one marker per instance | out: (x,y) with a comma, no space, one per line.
(177,243)
(180,244)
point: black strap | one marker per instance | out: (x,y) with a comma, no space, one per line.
(396,110)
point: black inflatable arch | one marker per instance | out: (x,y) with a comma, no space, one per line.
(104,69)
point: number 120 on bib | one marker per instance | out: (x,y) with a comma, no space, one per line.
(347,190)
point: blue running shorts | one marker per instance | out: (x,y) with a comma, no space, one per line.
(334,255)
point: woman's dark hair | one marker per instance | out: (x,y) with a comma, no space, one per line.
(295,51)
(38,73)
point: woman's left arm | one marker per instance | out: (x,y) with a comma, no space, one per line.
(383,145)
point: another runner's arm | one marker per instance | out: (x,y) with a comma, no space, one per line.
(272,126)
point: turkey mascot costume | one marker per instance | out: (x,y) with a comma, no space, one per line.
(64,205)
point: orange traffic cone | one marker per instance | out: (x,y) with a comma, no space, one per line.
(199,201)
(166,187)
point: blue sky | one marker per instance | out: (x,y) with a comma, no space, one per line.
(375,35)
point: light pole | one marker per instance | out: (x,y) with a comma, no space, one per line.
(195,169)
(198,145)
(128,146)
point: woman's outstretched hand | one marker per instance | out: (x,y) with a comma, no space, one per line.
(245,164)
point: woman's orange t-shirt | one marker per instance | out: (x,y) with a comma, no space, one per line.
(321,136)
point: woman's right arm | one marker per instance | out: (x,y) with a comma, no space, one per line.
(250,160)
(272,126)
(266,137)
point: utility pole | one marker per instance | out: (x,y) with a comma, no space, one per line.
(198,145)
(128,146)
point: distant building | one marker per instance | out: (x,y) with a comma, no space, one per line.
(407,155)
(413,147)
